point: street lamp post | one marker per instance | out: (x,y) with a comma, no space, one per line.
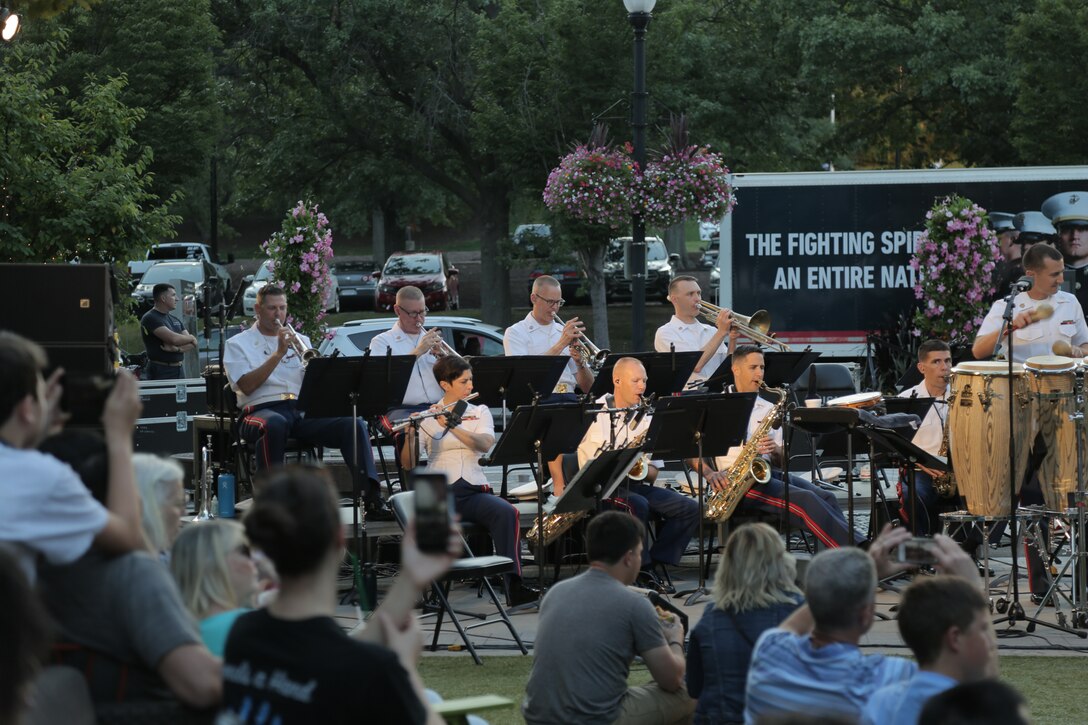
(638,12)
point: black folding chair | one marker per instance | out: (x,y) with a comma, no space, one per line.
(468,568)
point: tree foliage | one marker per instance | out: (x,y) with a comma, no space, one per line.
(73,182)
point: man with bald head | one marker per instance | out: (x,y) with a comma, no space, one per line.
(680,512)
(540,334)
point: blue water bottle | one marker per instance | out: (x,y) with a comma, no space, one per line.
(226,495)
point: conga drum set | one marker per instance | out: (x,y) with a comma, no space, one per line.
(1046,396)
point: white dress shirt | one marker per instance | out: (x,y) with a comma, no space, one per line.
(1067,323)
(930,434)
(529,337)
(760,410)
(600,432)
(447,454)
(423,389)
(690,338)
(247,351)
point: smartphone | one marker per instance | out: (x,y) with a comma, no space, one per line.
(917,551)
(434,509)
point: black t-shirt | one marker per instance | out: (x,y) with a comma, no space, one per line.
(310,671)
(153,320)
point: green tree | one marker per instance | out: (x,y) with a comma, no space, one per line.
(73,182)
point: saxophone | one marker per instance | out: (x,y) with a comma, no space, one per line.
(749,468)
(945,483)
(555,525)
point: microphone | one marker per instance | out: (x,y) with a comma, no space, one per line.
(644,408)
(1023,284)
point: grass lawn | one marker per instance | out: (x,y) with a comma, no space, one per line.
(1053,685)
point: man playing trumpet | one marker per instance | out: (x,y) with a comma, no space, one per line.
(1046,320)
(266,371)
(685,333)
(540,334)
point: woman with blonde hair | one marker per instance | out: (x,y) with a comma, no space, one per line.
(754,590)
(217,576)
(162,500)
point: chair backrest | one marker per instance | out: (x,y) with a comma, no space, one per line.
(403,506)
(832,380)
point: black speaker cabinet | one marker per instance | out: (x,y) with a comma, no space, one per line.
(58,304)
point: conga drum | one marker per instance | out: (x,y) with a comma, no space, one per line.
(1052,380)
(978,432)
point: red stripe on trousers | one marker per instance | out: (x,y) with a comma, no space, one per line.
(796,511)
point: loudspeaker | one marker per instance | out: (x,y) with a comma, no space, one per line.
(59,304)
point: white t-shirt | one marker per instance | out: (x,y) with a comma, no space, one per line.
(600,434)
(45,510)
(447,454)
(423,389)
(760,410)
(1067,323)
(529,337)
(690,338)
(930,435)
(247,351)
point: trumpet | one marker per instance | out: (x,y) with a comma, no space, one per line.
(444,348)
(306,354)
(755,327)
(400,425)
(591,355)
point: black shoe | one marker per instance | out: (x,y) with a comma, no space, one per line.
(1038,599)
(521,593)
(648,580)
(379,512)
(983,571)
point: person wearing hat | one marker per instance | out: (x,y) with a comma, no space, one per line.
(1007,267)
(1068,212)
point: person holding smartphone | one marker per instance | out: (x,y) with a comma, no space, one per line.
(454,443)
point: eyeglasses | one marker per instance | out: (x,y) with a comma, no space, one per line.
(419,314)
(551,303)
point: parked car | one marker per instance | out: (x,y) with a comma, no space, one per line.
(709,230)
(531,242)
(263,277)
(176,252)
(660,267)
(198,272)
(467,335)
(715,285)
(208,347)
(710,253)
(426,270)
(358,286)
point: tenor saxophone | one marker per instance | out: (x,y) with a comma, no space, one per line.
(944,483)
(749,468)
(555,525)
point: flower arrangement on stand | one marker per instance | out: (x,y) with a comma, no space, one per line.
(593,184)
(689,183)
(953,263)
(299,257)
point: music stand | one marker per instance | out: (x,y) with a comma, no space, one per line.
(899,447)
(540,433)
(596,480)
(507,382)
(336,387)
(781,369)
(694,426)
(666,372)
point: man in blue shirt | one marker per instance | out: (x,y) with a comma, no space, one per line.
(946,623)
(811,663)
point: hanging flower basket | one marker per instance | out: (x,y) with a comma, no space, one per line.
(692,183)
(593,185)
(299,257)
(954,262)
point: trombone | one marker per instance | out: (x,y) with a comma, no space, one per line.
(591,355)
(756,326)
(305,354)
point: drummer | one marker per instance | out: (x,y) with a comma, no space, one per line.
(935,364)
(1043,316)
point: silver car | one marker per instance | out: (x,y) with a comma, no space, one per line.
(467,335)
(263,277)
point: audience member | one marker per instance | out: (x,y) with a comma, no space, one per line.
(162,498)
(47,511)
(592,627)
(290,662)
(987,702)
(24,632)
(122,616)
(811,663)
(217,576)
(754,590)
(946,623)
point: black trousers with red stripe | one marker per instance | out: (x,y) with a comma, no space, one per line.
(267,427)
(811,508)
(478,505)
